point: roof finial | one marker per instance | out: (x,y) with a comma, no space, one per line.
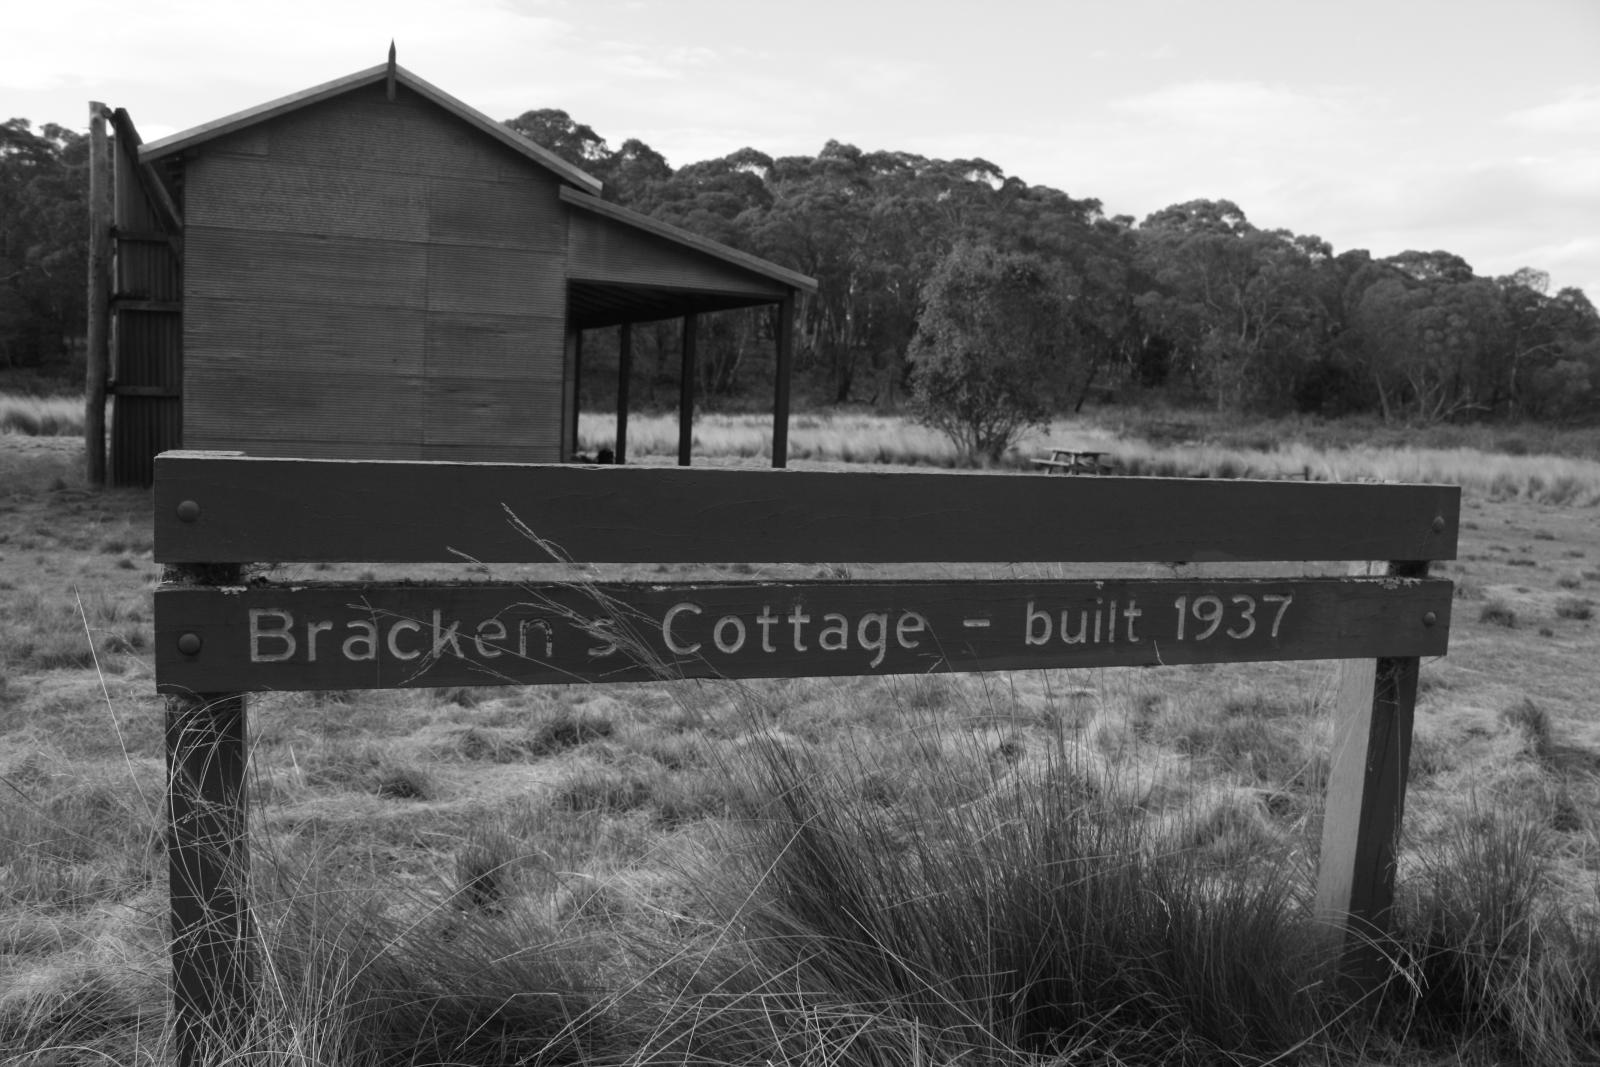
(389,85)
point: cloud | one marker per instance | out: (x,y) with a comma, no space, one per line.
(1576,112)
(1264,111)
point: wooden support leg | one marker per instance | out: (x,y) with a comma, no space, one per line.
(782,368)
(691,333)
(1375,707)
(577,385)
(207,863)
(624,377)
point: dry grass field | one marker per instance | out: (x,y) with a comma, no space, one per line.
(1098,867)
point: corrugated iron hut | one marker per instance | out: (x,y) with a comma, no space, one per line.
(372,269)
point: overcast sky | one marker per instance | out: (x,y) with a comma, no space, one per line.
(1467,125)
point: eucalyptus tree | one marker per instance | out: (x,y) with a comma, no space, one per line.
(44,227)
(1237,304)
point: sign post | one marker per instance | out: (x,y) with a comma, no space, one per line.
(218,638)
(207,859)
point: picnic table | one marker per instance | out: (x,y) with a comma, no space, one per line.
(1074,461)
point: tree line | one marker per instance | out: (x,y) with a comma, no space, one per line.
(948,282)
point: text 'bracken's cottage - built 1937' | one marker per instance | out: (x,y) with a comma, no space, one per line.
(372,269)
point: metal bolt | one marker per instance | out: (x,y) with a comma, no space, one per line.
(1429,618)
(188,511)
(189,643)
(1438,524)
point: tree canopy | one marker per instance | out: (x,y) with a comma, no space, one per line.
(1196,300)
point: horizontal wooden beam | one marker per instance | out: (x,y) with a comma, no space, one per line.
(147,237)
(157,391)
(220,508)
(380,636)
(133,303)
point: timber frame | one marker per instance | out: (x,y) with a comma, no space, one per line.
(219,637)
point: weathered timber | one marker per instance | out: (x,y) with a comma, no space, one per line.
(686,373)
(146,309)
(208,861)
(379,636)
(284,510)
(160,391)
(783,359)
(624,379)
(98,352)
(1374,707)
(128,303)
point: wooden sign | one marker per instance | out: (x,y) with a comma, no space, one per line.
(371,636)
(219,509)
(219,637)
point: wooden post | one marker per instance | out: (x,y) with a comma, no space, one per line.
(207,858)
(1375,705)
(780,385)
(569,394)
(577,385)
(624,377)
(691,332)
(99,297)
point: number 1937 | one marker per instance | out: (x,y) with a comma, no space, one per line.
(1210,613)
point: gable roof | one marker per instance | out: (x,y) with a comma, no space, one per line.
(272,109)
(744,260)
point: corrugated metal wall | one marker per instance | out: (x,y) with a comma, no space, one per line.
(146,323)
(368,279)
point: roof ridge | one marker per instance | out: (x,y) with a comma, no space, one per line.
(283,105)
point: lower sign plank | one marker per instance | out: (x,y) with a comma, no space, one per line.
(380,636)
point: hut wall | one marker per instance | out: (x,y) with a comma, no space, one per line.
(373,279)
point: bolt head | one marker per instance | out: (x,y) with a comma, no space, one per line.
(188,511)
(1438,524)
(189,643)
(1429,618)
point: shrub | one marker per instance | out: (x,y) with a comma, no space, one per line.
(1573,607)
(1498,613)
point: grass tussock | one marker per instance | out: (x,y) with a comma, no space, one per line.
(1580,609)
(39,416)
(1001,900)
(1028,923)
(1498,613)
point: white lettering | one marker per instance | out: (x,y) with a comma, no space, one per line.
(368,639)
(1083,628)
(485,634)
(394,633)
(666,628)
(281,633)
(798,618)
(910,622)
(836,627)
(312,630)
(549,639)
(765,621)
(1130,613)
(1038,617)
(877,643)
(737,625)
(443,637)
